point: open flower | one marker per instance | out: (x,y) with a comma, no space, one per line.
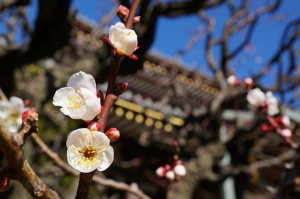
(272,104)
(89,150)
(122,39)
(79,99)
(11,113)
(256,98)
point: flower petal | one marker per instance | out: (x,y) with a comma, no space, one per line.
(74,136)
(82,80)
(17,103)
(108,157)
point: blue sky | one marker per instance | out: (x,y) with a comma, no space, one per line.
(173,34)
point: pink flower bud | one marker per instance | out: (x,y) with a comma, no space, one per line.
(123,13)
(170,175)
(113,134)
(121,88)
(94,126)
(4,183)
(160,172)
(27,102)
(178,162)
(249,82)
(167,167)
(180,170)
(266,128)
(27,114)
(137,19)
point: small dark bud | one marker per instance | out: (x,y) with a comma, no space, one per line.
(30,113)
(121,88)
(4,183)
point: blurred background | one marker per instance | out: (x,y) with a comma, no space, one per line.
(177,91)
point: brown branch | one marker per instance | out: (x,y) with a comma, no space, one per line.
(6,4)
(19,168)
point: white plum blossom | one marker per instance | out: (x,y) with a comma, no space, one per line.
(123,39)
(232,80)
(89,150)
(285,120)
(256,98)
(160,172)
(11,113)
(272,103)
(180,170)
(79,99)
(170,175)
(287,133)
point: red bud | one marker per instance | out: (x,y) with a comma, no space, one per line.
(29,113)
(27,102)
(266,128)
(113,134)
(123,13)
(4,183)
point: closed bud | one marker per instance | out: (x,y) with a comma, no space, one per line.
(167,167)
(123,13)
(94,126)
(121,88)
(137,19)
(266,128)
(178,162)
(4,183)
(160,172)
(30,113)
(27,102)
(113,134)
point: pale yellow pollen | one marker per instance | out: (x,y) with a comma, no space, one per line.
(70,102)
(104,150)
(107,144)
(92,132)
(97,139)
(73,92)
(129,33)
(71,96)
(103,158)
(85,133)
(78,91)
(74,147)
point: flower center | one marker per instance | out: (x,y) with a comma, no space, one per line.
(89,152)
(13,117)
(76,99)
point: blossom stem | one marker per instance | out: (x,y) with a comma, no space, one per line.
(132,11)
(85,179)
